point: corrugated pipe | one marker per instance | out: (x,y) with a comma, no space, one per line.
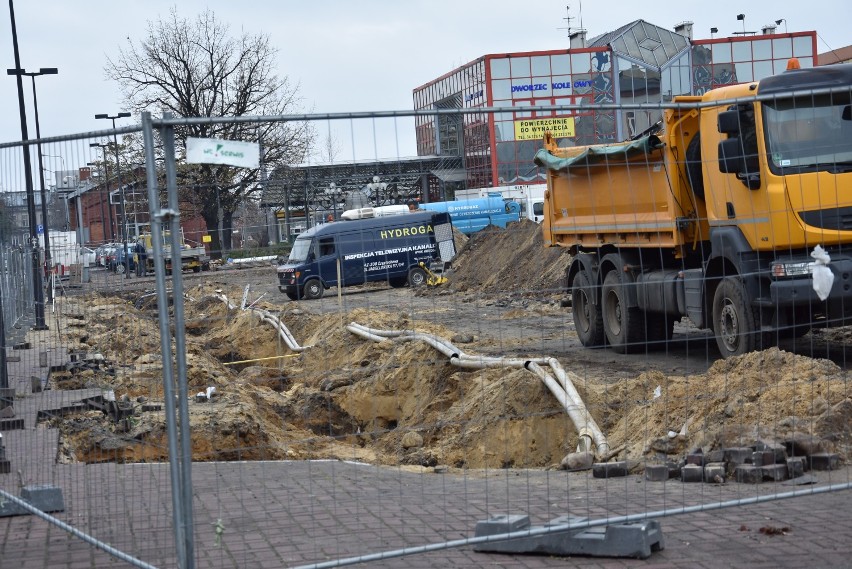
(561,387)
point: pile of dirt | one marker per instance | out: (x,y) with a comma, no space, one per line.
(511,259)
(771,396)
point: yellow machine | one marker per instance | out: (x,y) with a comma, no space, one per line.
(433,279)
(717,217)
(193,256)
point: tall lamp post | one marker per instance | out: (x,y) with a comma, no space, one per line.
(120,190)
(44,221)
(38,276)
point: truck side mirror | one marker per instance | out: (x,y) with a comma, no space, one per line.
(731,156)
(728,122)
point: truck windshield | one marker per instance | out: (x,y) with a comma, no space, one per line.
(301,250)
(809,134)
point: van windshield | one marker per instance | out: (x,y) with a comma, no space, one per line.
(809,134)
(301,250)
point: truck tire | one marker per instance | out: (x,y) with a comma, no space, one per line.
(313,290)
(734,320)
(623,326)
(291,295)
(588,321)
(196,269)
(398,282)
(416,277)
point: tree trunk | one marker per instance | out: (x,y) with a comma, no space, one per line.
(227,228)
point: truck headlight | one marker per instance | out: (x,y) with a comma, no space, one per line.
(782,269)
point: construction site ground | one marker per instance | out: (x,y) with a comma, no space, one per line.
(402,409)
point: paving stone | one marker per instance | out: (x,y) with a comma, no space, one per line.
(715,472)
(763,457)
(795,467)
(696,458)
(748,474)
(738,455)
(717,455)
(609,469)
(774,472)
(656,472)
(777,449)
(824,461)
(692,473)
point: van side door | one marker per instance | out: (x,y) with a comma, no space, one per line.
(356,251)
(326,252)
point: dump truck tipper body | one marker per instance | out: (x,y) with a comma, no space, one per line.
(728,215)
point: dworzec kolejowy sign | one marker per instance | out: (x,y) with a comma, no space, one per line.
(230,152)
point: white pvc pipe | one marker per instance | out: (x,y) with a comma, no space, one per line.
(561,387)
(269,318)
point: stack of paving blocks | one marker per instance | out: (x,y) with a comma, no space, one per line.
(772,462)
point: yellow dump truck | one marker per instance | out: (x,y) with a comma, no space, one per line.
(737,214)
(193,256)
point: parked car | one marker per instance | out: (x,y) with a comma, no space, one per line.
(107,255)
(119,263)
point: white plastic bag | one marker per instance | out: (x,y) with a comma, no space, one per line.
(823,277)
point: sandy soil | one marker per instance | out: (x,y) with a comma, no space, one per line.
(398,403)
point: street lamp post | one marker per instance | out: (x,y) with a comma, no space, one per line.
(44,221)
(38,280)
(120,190)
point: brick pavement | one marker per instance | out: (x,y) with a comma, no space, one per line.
(279,514)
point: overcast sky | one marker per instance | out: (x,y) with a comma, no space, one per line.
(362,55)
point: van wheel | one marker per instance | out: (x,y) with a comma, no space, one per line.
(416,277)
(119,269)
(623,326)
(398,282)
(313,290)
(291,295)
(588,321)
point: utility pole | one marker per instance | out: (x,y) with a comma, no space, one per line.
(38,282)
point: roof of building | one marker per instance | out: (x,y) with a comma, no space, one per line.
(642,41)
(840,55)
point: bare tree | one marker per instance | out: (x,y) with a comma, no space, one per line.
(196,68)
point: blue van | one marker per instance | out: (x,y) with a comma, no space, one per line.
(347,253)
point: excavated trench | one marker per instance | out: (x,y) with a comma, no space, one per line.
(403,403)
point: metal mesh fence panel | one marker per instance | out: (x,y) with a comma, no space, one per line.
(562,376)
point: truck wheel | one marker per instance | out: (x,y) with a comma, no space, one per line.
(398,282)
(659,328)
(119,269)
(734,322)
(196,269)
(416,277)
(623,326)
(313,290)
(588,321)
(291,295)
